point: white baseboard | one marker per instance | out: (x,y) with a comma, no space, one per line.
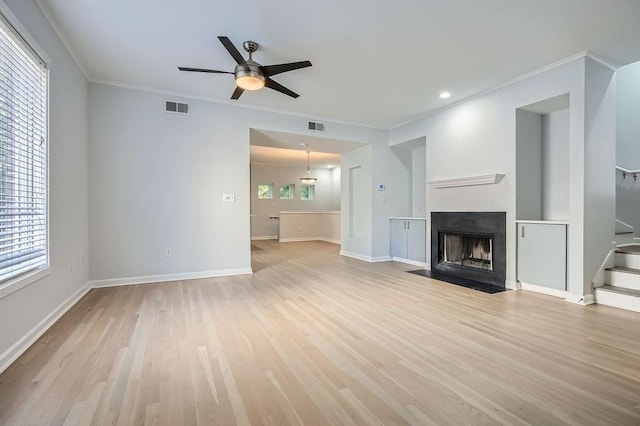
(331,240)
(511,285)
(379,259)
(409,261)
(18,348)
(543,290)
(585,299)
(298,240)
(268,237)
(356,256)
(169,277)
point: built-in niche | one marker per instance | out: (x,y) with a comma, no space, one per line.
(542,160)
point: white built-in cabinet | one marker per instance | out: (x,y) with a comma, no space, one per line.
(542,254)
(542,193)
(408,240)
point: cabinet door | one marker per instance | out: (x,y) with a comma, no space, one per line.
(399,238)
(416,240)
(542,255)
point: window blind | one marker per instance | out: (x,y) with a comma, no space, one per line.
(23,157)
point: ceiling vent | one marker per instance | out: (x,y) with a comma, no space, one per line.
(176,107)
(318,127)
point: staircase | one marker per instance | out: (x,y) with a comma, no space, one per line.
(622,288)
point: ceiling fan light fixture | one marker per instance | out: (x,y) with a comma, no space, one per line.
(250,80)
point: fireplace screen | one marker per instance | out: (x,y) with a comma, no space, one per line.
(470,251)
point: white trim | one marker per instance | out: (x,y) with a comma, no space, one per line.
(543,290)
(408,261)
(544,222)
(21,281)
(18,348)
(467,181)
(239,105)
(47,13)
(618,300)
(115,282)
(298,240)
(356,256)
(309,212)
(379,259)
(267,237)
(302,239)
(512,285)
(22,32)
(331,240)
(478,95)
(585,299)
(598,59)
(407,218)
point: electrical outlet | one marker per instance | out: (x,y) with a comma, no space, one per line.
(168,252)
(229,198)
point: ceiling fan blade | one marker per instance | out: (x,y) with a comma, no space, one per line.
(232,50)
(203,70)
(270,70)
(237,93)
(280,88)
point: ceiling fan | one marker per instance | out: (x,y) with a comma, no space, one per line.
(249,74)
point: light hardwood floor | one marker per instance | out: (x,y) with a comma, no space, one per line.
(314,338)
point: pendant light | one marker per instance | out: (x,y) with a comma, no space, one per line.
(307,180)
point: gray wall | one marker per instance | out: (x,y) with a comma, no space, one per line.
(628,144)
(157,181)
(327,198)
(477,137)
(23,310)
(555,165)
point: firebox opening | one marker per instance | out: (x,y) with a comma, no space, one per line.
(466,250)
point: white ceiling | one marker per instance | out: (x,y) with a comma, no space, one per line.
(292,157)
(379,63)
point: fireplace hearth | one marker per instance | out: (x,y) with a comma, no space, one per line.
(469,246)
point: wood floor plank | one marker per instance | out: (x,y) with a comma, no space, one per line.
(315,338)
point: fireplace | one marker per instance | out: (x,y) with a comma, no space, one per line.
(469,246)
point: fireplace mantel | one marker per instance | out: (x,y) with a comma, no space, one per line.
(467,181)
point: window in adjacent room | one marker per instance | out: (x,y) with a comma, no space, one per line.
(287,192)
(265,191)
(307,192)
(23,161)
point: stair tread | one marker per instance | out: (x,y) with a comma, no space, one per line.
(632,249)
(624,269)
(620,290)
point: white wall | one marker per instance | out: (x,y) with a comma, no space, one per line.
(418,182)
(627,113)
(529,161)
(157,181)
(327,198)
(599,166)
(356,203)
(628,143)
(23,310)
(477,137)
(555,165)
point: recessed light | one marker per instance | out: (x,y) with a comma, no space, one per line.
(329,166)
(444,95)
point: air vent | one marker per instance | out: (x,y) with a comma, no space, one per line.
(318,127)
(176,107)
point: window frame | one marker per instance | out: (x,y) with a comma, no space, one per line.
(33,50)
(310,186)
(292,191)
(271,195)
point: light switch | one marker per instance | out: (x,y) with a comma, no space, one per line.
(229,198)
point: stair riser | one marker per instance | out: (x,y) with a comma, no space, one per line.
(622,279)
(628,260)
(622,301)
